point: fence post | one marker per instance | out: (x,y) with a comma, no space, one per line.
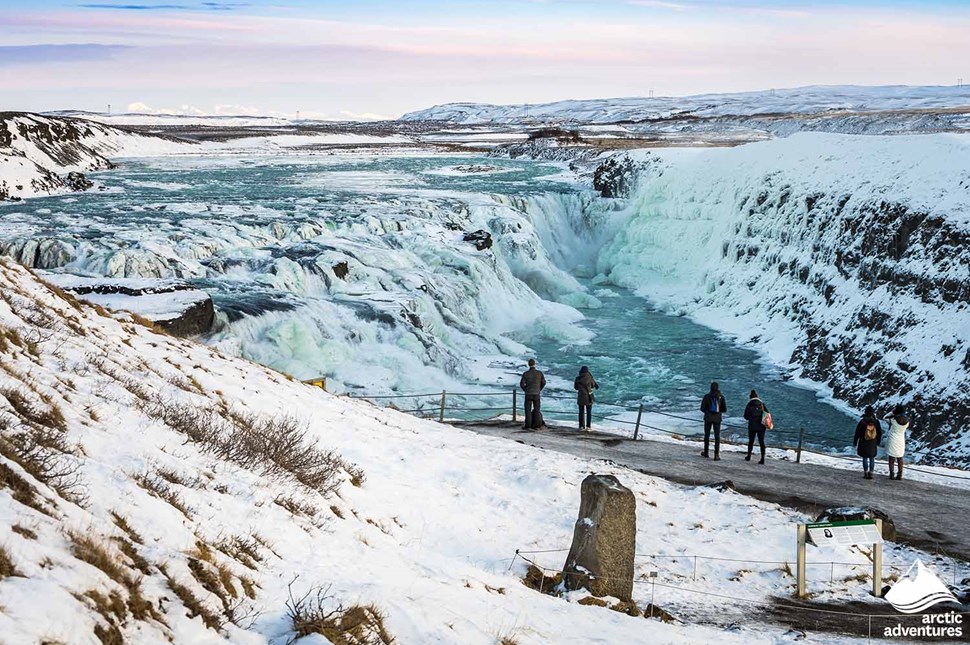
(636,430)
(801,439)
(515,405)
(441,414)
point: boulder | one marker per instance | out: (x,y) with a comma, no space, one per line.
(78,182)
(853,513)
(481,239)
(604,539)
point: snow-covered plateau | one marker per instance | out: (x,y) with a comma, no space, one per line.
(155,490)
(802,100)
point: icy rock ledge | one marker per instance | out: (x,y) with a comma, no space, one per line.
(176,307)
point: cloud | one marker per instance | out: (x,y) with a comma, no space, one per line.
(660,4)
(38,54)
(203,6)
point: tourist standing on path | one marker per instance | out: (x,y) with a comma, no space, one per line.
(584,386)
(532,383)
(896,440)
(754,412)
(868,436)
(713,406)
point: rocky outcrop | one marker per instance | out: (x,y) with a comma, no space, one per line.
(78,182)
(618,175)
(604,539)
(43,154)
(176,307)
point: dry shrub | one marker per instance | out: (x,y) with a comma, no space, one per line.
(156,487)
(535,578)
(21,490)
(131,552)
(296,507)
(241,549)
(275,446)
(354,625)
(39,445)
(191,602)
(122,523)
(6,565)
(210,580)
(95,552)
(24,532)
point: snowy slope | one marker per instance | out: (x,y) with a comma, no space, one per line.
(846,257)
(424,526)
(803,100)
(35,151)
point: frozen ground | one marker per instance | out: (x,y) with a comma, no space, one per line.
(427,534)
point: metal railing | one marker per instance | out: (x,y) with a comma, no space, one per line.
(444,405)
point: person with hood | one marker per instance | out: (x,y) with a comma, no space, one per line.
(584,386)
(713,406)
(532,383)
(896,440)
(868,436)
(754,412)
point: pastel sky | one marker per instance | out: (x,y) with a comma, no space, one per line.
(374,58)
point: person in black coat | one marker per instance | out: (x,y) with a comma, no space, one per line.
(713,406)
(868,436)
(754,413)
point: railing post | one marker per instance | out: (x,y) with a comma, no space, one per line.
(801,439)
(636,430)
(515,405)
(441,414)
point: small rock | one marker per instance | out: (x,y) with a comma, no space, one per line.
(722,487)
(481,239)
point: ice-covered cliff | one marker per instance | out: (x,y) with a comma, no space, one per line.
(846,257)
(40,154)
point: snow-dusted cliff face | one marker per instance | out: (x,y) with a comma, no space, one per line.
(37,153)
(803,100)
(847,257)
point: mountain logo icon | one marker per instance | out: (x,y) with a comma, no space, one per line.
(916,593)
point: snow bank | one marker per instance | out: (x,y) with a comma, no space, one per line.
(427,537)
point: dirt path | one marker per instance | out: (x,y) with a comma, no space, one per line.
(927,516)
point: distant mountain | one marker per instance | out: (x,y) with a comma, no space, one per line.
(813,100)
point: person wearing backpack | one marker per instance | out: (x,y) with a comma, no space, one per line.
(868,436)
(713,406)
(584,386)
(759,418)
(896,440)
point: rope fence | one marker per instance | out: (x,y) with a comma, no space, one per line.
(438,405)
(776,605)
(954,568)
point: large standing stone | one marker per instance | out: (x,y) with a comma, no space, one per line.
(604,540)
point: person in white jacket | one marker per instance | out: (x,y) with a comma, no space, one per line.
(896,440)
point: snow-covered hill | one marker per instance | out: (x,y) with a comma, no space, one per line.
(37,152)
(155,491)
(846,257)
(801,101)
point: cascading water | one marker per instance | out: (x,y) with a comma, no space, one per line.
(421,272)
